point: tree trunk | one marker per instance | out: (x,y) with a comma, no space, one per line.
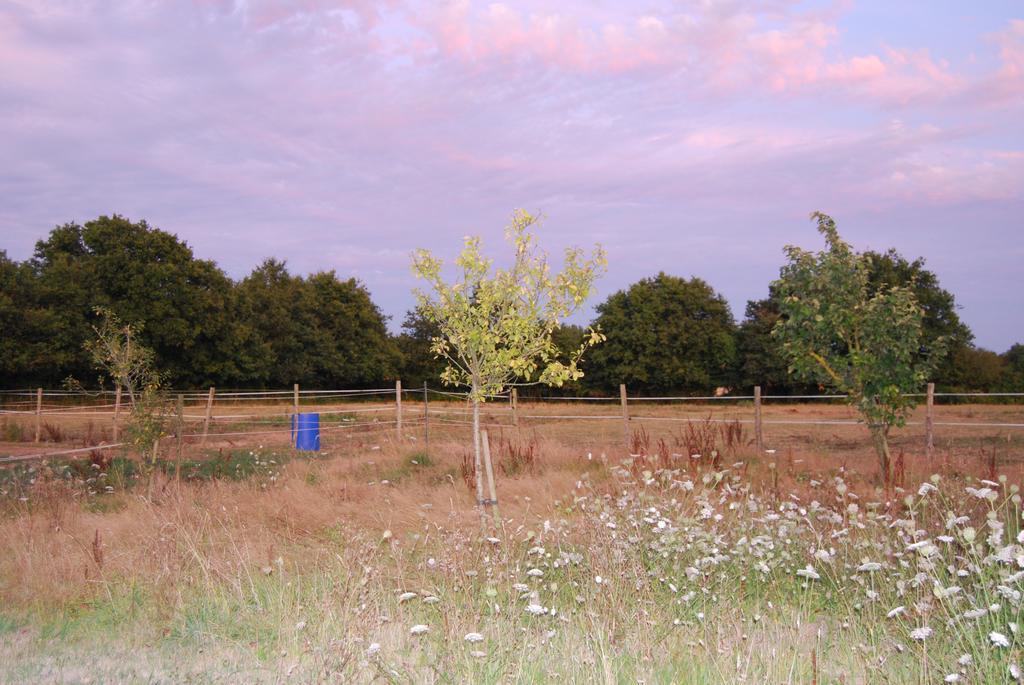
(880,438)
(477,461)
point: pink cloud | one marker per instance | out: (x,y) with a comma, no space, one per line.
(1007,84)
(712,49)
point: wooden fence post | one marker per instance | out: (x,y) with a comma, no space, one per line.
(426,421)
(179,435)
(625,415)
(489,470)
(209,414)
(295,400)
(513,399)
(928,421)
(398,408)
(758,435)
(39,413)
(117,413)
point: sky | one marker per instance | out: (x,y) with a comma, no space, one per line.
(693,138)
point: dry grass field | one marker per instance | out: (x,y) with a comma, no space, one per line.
(367,562)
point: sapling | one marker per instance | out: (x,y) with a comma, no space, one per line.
(496,324)
(117,352)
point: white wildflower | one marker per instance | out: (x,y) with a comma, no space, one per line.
(869,567)
(982,493)
(406,596)
(373,649)
(808,572)
(473,637)
(945,592)
(896,612)
(1009,593)
(535,609)
(998,639)
(922,633)
(418,629)
(535,572)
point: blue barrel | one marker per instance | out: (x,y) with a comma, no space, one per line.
(306,432)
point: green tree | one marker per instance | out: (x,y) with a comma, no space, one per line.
(568,337)
(142,274)
(26,329)
(318,331)
(419,364)
(1013,377)
(280,310)
(352,342)
(664,334)
(758,358)
(866,343)
(940,322)
(761,362)
(976,370)
(496,325)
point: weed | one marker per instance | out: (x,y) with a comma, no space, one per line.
(419,460)
(12,431)
(53,433)
(517,458)
(467,469)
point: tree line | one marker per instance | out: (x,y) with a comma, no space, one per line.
(274,328)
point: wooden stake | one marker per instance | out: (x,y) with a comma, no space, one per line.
(929,435)
(398,408)
(758,434)
(117,412)
(179,432)
(426,421)
(209,414)
(625,415)
(490,479)
(39,413)
(513,400)
(295,399)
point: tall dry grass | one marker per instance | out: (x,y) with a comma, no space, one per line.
(302,575)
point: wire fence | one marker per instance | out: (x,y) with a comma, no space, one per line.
(211,417)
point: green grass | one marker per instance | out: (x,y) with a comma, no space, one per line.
(8,623)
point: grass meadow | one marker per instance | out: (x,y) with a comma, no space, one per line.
(368,563)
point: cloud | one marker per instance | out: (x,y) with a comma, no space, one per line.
(710,49)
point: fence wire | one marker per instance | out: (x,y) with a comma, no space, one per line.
(90,405)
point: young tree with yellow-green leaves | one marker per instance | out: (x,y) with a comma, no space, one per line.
(495,325)
(117,352)
(835,330)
